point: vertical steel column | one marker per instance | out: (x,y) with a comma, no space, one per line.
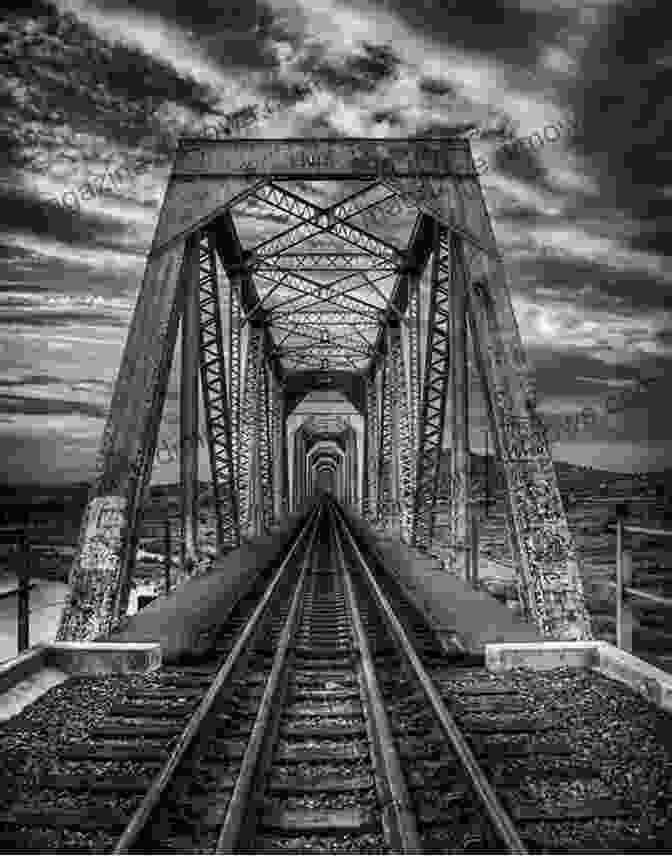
(355,469)
(460,510)
(101,573)
(249,435)
(189,404)
(217,402)
(285,457)
(235,371)
(408,416)
(299,465)
(265,446)
(277,412)
(370,499)
(434,394)
(385,498)
(400,424)
(549,582)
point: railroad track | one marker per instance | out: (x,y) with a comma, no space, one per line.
(329,717)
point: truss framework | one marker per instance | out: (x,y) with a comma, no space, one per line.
(327,299)
(216,400)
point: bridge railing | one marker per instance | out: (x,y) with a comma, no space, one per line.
(625,591)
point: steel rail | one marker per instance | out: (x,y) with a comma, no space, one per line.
(398,809)
(497,814)
(238,805)
(151,799)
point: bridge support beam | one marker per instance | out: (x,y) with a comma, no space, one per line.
(460,489)
(189,431)
(418,365)
(100,576)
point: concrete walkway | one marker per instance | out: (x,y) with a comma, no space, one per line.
(452,606)
(184,621)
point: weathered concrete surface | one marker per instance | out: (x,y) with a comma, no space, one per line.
(451,605)
(104,658)
(653,683)
(183,622)
(21,667)
(24,678)
(541,656)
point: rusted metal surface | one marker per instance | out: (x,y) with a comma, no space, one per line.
(327,157)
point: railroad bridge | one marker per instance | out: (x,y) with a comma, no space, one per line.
(302,270)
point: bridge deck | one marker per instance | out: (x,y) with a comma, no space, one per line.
(450,605)
(181,621)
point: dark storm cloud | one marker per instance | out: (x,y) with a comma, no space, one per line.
(37,318)
(235,33)
(45,218)
(362,72)
(625,111)
(497,27)
(75,79)
(33,380)
(284,92)
(49,407)
(392,117)
(520,162)
(432,86)
(609,289)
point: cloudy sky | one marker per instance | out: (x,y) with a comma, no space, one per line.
(583,222)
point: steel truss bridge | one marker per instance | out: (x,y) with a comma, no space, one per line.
(266,263)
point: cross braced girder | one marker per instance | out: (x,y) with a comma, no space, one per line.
(216,400)
(323,261)
(319,292)
(433,404)
(319,220)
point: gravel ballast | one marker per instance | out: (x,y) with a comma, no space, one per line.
(609,727)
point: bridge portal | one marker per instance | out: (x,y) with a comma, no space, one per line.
(368,268)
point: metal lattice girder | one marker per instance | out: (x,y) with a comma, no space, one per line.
(249,433)
(235,370)
(189,408)
(100,575)
(315,220)
(266,446)
(319,292)
(278,446)
(216,401)
(408,417)
(403,458)
(323,261)
(398,413)
(370,498)
(433,405)
(460,490)
(326,318)
(386,448)
(549,579)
